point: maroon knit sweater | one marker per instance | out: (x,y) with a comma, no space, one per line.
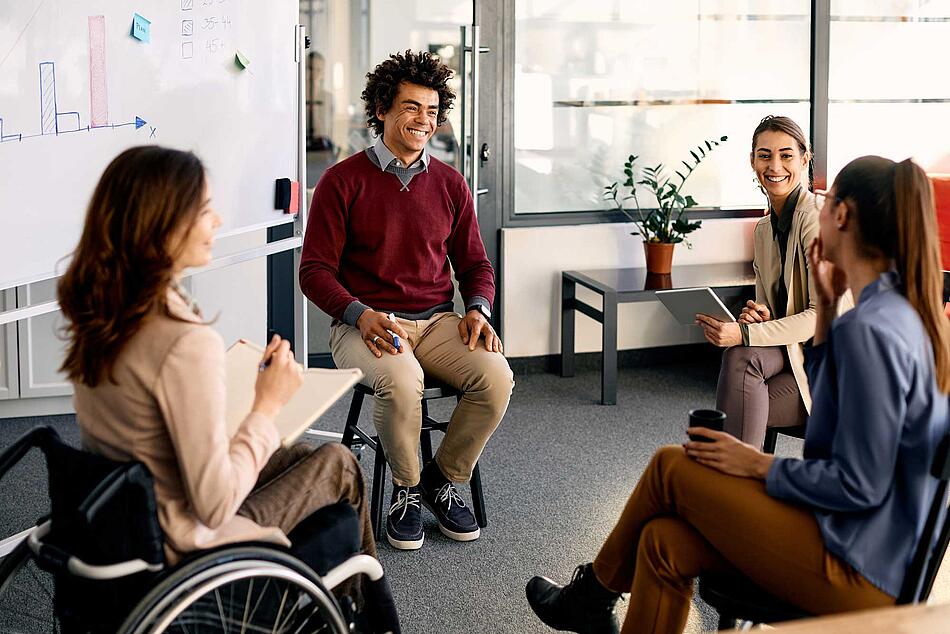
(368,241)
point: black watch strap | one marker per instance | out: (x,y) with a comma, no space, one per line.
(480,308)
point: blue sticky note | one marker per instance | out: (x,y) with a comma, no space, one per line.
(141,28)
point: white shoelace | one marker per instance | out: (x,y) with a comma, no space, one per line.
(450,494)
(404,499)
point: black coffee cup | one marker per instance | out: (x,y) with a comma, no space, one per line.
(708,418)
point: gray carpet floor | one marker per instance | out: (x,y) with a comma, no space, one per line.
(555,475)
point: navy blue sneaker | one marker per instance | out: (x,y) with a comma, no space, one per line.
(404,523)
(455,519)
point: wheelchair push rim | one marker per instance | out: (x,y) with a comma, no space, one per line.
(202,595)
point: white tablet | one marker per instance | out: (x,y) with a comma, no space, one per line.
(686,303)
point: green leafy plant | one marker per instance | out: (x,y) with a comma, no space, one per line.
(666,222)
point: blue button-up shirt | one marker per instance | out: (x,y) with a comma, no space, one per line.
(877,420)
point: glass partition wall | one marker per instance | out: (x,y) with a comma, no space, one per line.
(889,85)
(570,88)
(598,80)
(348,38)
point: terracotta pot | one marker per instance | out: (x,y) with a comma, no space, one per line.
(659,257)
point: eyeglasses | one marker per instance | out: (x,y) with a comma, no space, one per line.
(820,197)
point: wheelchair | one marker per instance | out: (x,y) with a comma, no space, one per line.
(97,565)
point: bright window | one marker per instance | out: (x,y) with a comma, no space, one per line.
(597,80)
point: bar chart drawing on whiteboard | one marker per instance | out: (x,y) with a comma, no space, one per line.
(56,121)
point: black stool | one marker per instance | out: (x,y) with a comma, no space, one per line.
(432,390)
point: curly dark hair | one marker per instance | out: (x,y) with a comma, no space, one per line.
(421,68)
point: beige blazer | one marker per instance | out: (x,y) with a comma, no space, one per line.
(799,324)
(166,409)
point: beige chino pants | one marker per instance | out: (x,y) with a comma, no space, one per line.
(434,349)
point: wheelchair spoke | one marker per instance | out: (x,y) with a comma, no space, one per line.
(256,597)
(281,625)
(292,616)
(306,621)
(247,606)
(259,599)
(224,623)
(280,610)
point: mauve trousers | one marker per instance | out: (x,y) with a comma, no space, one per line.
(757,390)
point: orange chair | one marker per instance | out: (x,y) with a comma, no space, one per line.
(941,184)
(942,202)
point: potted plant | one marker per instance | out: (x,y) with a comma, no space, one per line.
(665,225)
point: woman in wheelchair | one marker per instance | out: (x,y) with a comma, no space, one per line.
(149,378)
(838,529)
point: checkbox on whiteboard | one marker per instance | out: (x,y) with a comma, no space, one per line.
(187,4)
(187,50)
(187,27)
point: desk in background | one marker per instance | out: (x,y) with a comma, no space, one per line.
(621,286)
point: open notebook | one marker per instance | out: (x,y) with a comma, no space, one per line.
(321,389)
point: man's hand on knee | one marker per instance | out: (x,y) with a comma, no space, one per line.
(378,331)
(473,326)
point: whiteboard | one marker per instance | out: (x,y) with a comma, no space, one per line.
(76,88)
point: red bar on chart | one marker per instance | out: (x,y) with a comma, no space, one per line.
(98,97)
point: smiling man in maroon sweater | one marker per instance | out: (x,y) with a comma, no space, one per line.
(385,226)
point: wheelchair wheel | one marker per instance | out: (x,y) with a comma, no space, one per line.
(240,589)
(26,595)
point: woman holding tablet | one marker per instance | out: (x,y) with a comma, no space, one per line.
(762,379)
(149,376)
(836,530)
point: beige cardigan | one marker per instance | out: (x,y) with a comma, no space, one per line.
(167,410)
(799,324)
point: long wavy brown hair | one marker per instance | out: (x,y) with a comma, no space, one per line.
(122,267)
(897,219)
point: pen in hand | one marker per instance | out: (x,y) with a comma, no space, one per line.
(395,337)
(268,352)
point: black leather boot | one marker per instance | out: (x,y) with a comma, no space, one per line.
(583,605)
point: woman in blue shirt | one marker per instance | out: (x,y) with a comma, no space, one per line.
(834,531)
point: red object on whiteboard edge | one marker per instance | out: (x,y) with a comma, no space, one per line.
(287,196)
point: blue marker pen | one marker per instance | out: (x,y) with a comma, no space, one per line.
(392,318)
